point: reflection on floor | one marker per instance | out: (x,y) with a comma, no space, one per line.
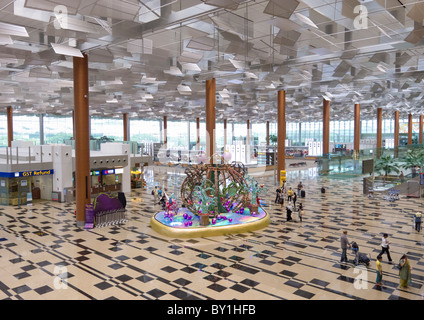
(44,256)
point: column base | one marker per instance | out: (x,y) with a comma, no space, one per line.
(80,224)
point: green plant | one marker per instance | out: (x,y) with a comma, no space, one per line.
(413,158)
(204,197)
(386,164)
(273,138)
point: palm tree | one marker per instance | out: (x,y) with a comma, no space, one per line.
(386,164)
(413,158)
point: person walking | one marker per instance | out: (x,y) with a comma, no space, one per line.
(300,211)
(299,187)
(289,194)
(289,210)
(344,245)
(277,197)
(385,247)
(379,271)
(417,220)
(156,194)
(294,198)
(404,272)
(281,199)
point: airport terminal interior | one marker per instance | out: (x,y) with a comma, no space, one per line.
(216,103)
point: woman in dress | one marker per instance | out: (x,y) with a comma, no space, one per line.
(404,272)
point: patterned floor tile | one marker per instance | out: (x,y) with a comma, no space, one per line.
(43,255)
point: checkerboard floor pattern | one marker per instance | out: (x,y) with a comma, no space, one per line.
(43,255)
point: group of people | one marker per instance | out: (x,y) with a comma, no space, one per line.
(404,266)
(159,196)
(282,193)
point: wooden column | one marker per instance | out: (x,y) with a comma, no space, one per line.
(125,125)
(165,132)
(210,117)
(9,126)
(409,129)
(82,138)
(420,126)
(197,133)
(267,133)
(73,124)
(225,132)
(281,114)
(357,127)
(248,133)
(326,127)
(379,128)
(396,137)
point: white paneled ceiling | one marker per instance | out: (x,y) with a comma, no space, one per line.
(151,58)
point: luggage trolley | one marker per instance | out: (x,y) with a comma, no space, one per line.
(391,196)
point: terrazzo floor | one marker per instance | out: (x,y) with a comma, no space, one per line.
(43,255)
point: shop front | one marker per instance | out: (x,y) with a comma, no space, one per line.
(106,180)
(17,188)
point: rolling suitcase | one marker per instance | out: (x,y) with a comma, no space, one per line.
(302,193)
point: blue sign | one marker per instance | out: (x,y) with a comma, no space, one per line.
(26,174)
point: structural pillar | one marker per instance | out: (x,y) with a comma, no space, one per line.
(165,132)
(326,127)
(267,133)
(210,117)
(409,129)
(41,123)
(248,133)
(396,129)
(379,131)
(9,126)
(225,132)
(420,126)
(357,128)
(125,125)
(73,124)
(82,138)
(197,133)
(281,154)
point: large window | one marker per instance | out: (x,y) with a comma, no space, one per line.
(145,131)
(111,128)
(3,130)
(292,132)
(57,129)
(26,128)
(240,132)
(219,135)
(177,132)
(259,133)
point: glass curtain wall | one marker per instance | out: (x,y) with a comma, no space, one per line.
(57,129)
(311,131)
(145,131)
(3,130)
(107,127)
(177,132)
(26,128)
(240,133)
(219,135)
(259,133)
